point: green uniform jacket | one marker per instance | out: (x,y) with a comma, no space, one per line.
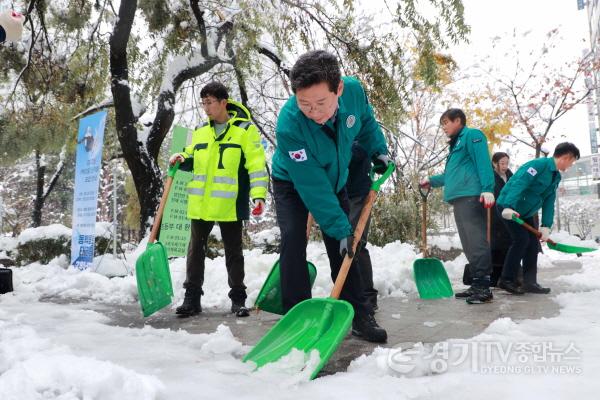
(227,169)
(468,170)
(316,163)
(532,187)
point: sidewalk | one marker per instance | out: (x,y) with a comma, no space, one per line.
(407,321)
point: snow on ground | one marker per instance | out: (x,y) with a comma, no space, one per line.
(65,351)
(444,242)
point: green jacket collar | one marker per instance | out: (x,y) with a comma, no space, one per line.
(553,164)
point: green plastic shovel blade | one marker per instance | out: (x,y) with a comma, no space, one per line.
(567,248)
(155,289)
(314,324)
(431,279)
(269,297)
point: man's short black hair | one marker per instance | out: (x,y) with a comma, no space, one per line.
(215,89)
(566,148)
(453,113)
(315,67)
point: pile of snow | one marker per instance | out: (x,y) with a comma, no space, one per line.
(61,280)
(104,229)
(444,242)
(52,350)
(268,236)
(392,274)
(8,243)
(112,280)
(44,232)
(566,238)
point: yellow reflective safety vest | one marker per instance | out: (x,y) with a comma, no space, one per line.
(226,169)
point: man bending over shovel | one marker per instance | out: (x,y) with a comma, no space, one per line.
(532,187)
(315,131)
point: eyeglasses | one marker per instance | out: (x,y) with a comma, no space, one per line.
(319,107)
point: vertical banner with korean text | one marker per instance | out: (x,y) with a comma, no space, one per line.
(88,161)
(175,226)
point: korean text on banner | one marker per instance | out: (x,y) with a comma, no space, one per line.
(175,226)
(85,195)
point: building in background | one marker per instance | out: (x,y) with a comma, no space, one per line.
(593,102)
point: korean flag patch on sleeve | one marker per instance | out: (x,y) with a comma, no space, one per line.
(298,155)
(532,171)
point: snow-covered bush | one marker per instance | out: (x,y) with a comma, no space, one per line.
(48,242)
(43,244)
(267,240)
(579,216)
(393,218)
(8,247)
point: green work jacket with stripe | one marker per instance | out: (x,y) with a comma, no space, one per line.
(468,170)
(532,187)
(227,169)
(315,157)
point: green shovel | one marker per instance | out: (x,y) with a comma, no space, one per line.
(430,275)
(269,298)
(316,324)
(155,289)
(565,248)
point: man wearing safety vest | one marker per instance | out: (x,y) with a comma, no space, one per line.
(228,162)
(315,131)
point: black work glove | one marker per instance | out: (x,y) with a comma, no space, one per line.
(380,163)
(346,246)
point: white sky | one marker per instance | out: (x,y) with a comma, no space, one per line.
(489,19)
(494,18)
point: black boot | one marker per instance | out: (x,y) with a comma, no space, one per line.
(480,295)
(238,307)
(372,300)
(535,288)
(365,326)
(464,293)
(510,287)
(191,303)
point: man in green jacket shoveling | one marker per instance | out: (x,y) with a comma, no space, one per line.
(315,131)
(468,182)
(532,187)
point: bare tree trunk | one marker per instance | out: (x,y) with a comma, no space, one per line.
(143,166)
(38,202)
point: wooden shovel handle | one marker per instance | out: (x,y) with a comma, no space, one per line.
(360,227)
(489,226)
(537,233)
(163,203)
(309,223)
(424,196)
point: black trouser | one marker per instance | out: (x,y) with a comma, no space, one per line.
(362,255)
(295,284)
(470,217)
(524,248)
(498,257)
(234,256)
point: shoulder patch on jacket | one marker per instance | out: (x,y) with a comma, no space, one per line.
(298,155)
(532,171)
